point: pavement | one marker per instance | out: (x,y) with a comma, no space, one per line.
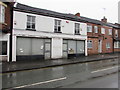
(29,65)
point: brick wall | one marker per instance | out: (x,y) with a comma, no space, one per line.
(94,49)
(5,27)
(95,37)
(116,39)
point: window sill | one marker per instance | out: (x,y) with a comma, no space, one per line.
(77,34)
(3,23)
(89,48)
(1,3)
(57,32)
(3,55)
(31,29)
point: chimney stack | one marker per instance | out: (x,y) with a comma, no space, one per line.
(104,19)
(77,14)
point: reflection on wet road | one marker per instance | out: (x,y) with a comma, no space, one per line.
(109,81)
(58,76)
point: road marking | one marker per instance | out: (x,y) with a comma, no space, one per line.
(39,83)
(104,69)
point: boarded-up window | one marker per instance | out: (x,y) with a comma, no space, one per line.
(3,47)
(89,44)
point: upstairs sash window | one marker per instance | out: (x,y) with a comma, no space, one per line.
(31,22)
(2,14)
(57,26)
(77,28)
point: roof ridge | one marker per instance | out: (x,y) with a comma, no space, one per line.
(61,15)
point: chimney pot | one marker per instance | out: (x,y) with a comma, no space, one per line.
(104,19)
(77,14)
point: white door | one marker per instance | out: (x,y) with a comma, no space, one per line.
(100,46)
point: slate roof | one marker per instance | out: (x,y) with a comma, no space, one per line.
(26,8)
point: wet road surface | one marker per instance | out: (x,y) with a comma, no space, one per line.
(55,77)
(108,81)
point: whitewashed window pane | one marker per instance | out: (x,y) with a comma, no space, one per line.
(95,29)
(89,28)
(30,22)
(2,14)
(103,30)
(110,31)
(89,44)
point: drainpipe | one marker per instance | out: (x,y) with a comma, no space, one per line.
(11,32)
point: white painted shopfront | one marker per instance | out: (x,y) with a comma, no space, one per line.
(44,42)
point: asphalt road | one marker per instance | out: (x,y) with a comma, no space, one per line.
(108,81)
(56,77)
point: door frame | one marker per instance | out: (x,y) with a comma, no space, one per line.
(45,48)
(67,48)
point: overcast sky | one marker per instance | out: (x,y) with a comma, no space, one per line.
(95,9)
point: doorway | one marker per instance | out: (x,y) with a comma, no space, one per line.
(100,46)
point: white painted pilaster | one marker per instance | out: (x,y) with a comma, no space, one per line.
(8,47)
(14,48)
(86,52)
(56,48)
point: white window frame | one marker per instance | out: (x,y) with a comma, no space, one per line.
(57,25)
(95,29)
(2,14)
(116,44)
(77,28)
(89,44)
(89,28)
(102,30)
(110,31)
(116,33)
(1,47)
(31,22)
(107,45)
